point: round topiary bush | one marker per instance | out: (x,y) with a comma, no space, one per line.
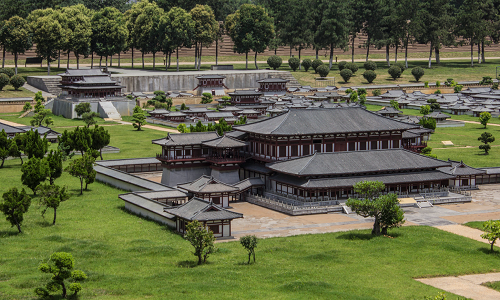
(417,72)
(370,75)
(17,81)
(395,72)
(4,80)
(294,63)
(306,63)
(370,65)
(323,70)
(401,66)
(342,65)
(353,67)
(346,74)
(8,72)
(274,62)
(315,64)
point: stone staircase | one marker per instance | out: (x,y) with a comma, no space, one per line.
(108,110)
(49,84)
(424,204)
(288,76)
(346,209)
(52,85)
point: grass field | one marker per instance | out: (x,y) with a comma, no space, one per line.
(128,257)
(9,92)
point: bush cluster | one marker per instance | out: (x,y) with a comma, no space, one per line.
(346,74)
(294,63)
(342,65)
(417,73)
(352,66)
(306,63)
(395,72)
(315,64)
(370,65)
(7,71)
(323,70)
(4,80)
(274,62)
(17,81)
(369,75)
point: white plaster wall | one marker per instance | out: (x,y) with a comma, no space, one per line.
(149,214)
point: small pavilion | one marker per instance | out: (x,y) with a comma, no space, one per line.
(213,84)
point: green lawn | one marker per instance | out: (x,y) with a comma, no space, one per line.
(129,257)
(475,224)
(59,121)
(9,92)
(493,285)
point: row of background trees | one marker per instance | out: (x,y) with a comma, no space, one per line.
(110,27)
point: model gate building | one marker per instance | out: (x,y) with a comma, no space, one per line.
(309,155)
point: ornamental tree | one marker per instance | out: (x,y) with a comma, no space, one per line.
(5,144)
(395,72)
(60,266)
(27,106)
(4,80)
(138,118)
(82,108)
(417,73)
(315,64)
(202,240)
(427,122)
(484,118)
(370,75)
(306,63)
(294,63)
(249,242)
(486,138)
(492,232)
(147,33)
(35,171)
(100,139)
(177,27)
(323,70)
(17,81)
(206,98)
(51,196)
(55,161)
(15,204)
(206,28)
(274,62)
(83,169)
(425,109)
(88,118)
(79,30)
(346,74)
(34,145)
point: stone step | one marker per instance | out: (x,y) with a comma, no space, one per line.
(424,204)
(108,110)
(346,209)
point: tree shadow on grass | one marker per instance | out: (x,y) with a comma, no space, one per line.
(187,264)
(8,233)
(353,236)
(486,250)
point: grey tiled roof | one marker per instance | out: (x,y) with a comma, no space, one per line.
(147,204)
(437,114)
(324,121)
(162,194)
(97,79)
(248,183)
(224,142)
(338,182)
(460,169)
(355,162)
(245,92)
(10,129)
(194,138)
(122,162)
(207,184)
(83,72)
(237,134)
(272,80)
(131,179)
(256,167)
(215,114)
(215,76)
(201,210)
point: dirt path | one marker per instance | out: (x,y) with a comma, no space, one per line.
(152,127)
(11,123)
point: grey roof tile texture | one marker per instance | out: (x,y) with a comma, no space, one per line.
(201,210)
(181,139)
(225,142)
(324,121)
(341,163)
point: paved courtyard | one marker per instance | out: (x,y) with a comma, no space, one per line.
(264,222)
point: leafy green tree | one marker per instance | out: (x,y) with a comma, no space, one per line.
(182,128)
(250,29)
(427,122)
(34,145)
(15,204)
(486,138)
(49,33)
(395,72)
(27,106)
(249,242)
(5,145)
(35,171)
(294,63)
(384,208)
(88,118)
(51,196)
(492,233)
(484,118)
(471,24)
(80,31)
(334,24)
(206,98)
(315,64)
(206,28)
(346,74)
(81,139)
(323,70)
(370,75)
(82,108)
(177,27)
(15,148)
(17,81)
(202,240)
(100,139)
(370,65)
(138,118)
(147,33)
(4,81)
(55,161)
(394,104)
(425,109)
(306,63)
(60,266)
(109,32)
(83,169)
(17,38)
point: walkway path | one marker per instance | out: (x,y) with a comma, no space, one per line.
(35,90)
(11,123)
(467,286)
(152,127)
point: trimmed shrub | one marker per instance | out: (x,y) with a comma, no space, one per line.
(8,72)
(437,92)
(294,63)
(370,75)
(417,73)
(370,65)
(487,80)
(353,67)
(438,83)
(361,91)
(342,65)
(395,72)
(376,92)
(458,88)
(323,70)
(426,84)
(4,80)
(402,66)
(495,86)
(315,64)
(17,81)
(306,63)
(274,62)
(346,74)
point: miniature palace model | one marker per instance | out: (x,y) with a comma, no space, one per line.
(213,84)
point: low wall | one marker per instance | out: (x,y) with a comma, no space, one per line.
(66,108)
(141,211)
(14,105)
